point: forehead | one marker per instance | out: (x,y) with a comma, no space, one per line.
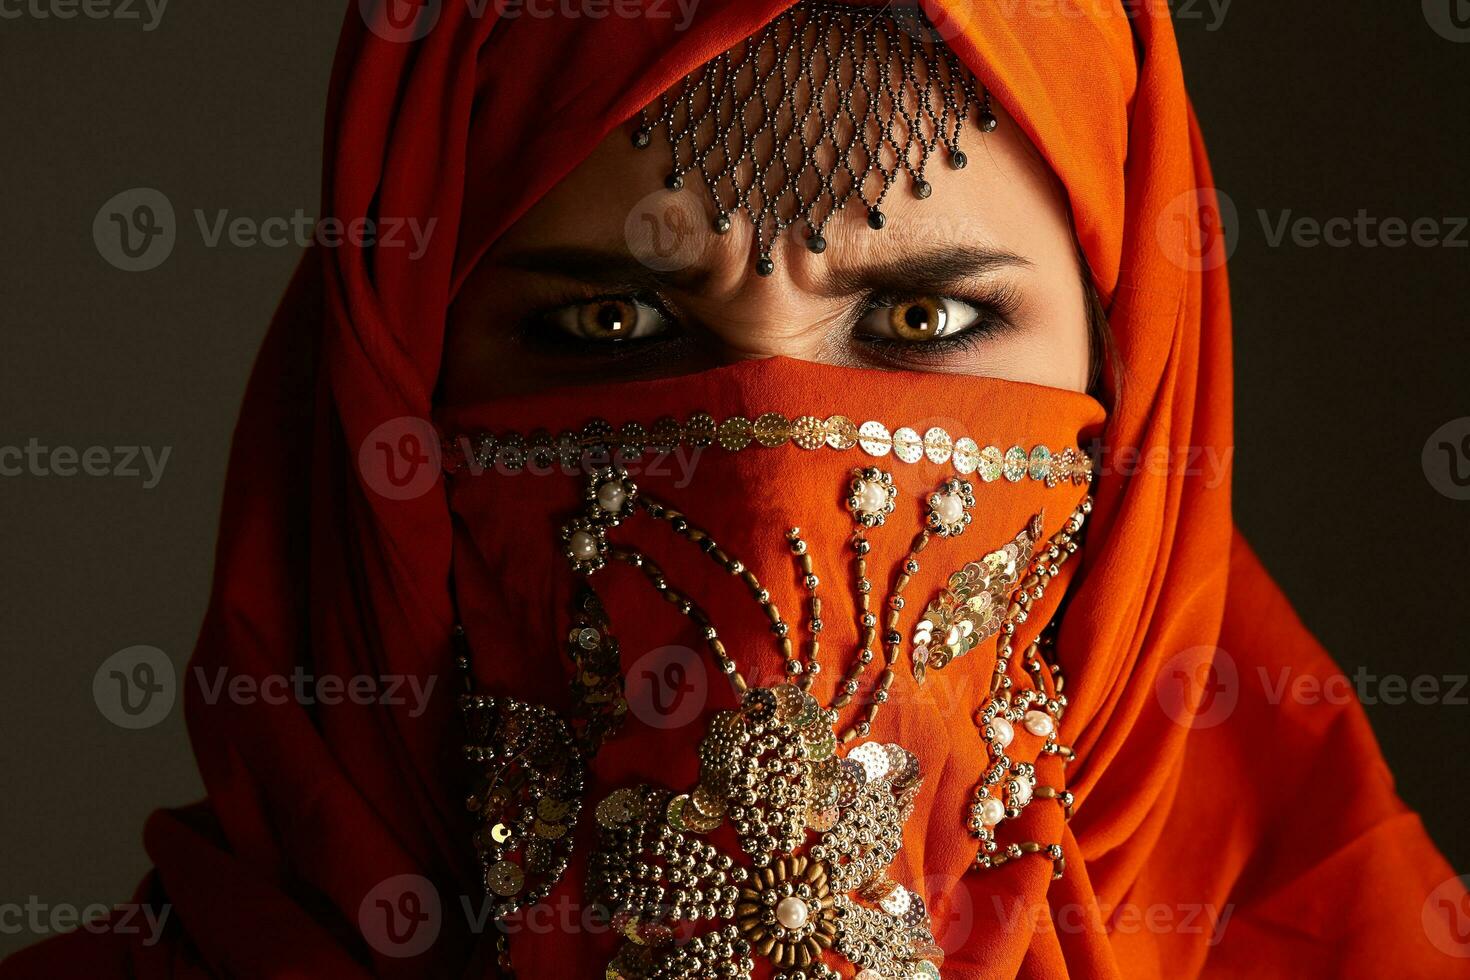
(794,103)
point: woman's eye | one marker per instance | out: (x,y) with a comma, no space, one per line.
(611,320)
(919,319)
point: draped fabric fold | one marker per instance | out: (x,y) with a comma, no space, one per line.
(1278,824)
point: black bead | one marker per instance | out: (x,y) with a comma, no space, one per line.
(957,159)
(876,219)
(722,224)
(764,266)
(817,244)
(988,123)
(922,188)
(674,181)
(641,138)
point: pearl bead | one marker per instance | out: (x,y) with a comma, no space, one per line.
(792,912)
(1039,723)
(584,546)
(1004,731)
(949,507)
(1022,795)
(992,811)
(611,495)
(872,497)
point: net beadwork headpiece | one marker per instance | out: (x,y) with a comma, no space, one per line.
(827,103)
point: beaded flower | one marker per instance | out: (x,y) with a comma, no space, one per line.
(816,834)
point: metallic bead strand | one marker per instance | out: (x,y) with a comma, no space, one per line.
(867,620)
(809,581)
(892,639)
(687,607)
(686,529)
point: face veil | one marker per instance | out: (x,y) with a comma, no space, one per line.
(790,597)
(319,821)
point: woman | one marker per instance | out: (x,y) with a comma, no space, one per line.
(953,672)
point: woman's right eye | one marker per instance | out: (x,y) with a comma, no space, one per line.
(609,320)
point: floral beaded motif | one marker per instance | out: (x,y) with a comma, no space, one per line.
(817,833)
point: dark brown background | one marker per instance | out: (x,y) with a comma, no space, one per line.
(1347,360)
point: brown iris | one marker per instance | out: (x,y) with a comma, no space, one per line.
(920,319)
(608,319)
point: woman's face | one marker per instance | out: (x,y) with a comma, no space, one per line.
(610,277)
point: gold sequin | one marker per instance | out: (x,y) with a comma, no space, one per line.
(699,431)
(938,446)
(842,432)
(735,433)
(772,430)
(875,439)
(969,610)
(505,879)
(907,445)
(809,432)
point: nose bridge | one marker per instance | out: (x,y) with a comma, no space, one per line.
(753,327)
(751,316)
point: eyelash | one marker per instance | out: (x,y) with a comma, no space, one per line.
(537,329)
(996,308)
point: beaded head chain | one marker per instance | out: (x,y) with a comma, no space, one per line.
(826,103)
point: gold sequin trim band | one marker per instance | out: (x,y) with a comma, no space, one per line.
(513,451)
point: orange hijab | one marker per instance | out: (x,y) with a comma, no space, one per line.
(1278,820)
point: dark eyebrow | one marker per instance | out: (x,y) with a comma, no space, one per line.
(608,269)
(923,269)
(920,269)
